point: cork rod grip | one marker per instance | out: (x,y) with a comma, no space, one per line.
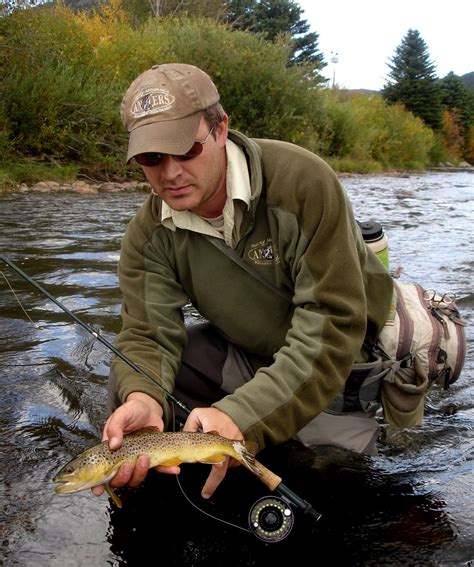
(269,479)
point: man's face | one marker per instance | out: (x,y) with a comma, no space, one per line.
(197,184)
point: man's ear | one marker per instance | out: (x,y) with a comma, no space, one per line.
(222,131)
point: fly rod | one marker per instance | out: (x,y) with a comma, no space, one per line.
(271,480)
(91,331)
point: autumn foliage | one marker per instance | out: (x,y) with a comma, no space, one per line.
(64,75)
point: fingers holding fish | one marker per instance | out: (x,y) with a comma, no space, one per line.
(128,473)
(133,475)
(212,419)
(99,467)
(140,410)
(215,477)
(215,420)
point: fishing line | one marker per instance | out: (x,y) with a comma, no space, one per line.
(19,302)
(207,513)
(89,329)
(173,417)
(287,494)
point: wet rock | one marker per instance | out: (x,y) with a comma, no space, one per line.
(110,187)
(85,189)
(143,186)
(41,187)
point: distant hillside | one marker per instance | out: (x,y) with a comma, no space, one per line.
(468,80)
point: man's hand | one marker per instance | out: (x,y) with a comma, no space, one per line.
(212,419)
(140,410)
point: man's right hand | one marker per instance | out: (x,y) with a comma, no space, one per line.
(140,410)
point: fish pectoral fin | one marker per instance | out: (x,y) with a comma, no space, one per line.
(115,499)
(213,459)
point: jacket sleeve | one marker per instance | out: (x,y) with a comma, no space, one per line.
(322,250)
(153,333)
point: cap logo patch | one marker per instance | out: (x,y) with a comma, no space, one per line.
(152,101)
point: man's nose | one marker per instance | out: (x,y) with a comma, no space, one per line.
(170,167)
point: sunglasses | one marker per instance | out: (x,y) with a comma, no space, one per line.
(152,159)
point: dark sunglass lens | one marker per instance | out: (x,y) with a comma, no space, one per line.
(196,149)
(149,159)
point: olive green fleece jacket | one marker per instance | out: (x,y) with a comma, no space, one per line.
(301,235)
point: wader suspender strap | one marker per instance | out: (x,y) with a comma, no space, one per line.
(361,392)
(234,256)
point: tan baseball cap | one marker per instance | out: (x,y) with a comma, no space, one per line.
(162,108)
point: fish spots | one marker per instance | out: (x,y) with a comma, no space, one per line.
(98,464)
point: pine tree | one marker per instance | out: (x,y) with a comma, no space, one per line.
(412,80)
(454,95)
(459,101)
(273,18)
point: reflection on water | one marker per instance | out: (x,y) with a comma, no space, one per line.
(413,504)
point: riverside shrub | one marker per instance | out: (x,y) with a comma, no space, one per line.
(365,128)
(54,101)
(62,91)
(64,75)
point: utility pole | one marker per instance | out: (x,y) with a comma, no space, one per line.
(334,61)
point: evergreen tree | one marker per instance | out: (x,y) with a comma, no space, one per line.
(412,80)
(454,95)
(458,100)
(273,18)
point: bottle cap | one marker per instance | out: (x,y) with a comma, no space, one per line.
(371,230)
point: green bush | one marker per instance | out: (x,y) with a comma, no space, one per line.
(64,75)
(364,128)
(65,79)
(30,172)
(55,103)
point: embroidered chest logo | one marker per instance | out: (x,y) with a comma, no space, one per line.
(152,101)
(263,253)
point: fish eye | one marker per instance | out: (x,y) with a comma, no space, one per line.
(69,470)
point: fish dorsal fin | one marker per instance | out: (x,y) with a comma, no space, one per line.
(213,432)
(150,429)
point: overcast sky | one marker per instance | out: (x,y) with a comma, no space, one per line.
(365,34)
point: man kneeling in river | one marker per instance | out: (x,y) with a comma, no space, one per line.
(260,237)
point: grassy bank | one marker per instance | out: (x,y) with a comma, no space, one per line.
(64,75)
(14,175)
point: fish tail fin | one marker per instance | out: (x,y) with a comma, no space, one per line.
(246,455)
(247,458)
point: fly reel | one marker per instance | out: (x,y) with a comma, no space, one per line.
(271,519)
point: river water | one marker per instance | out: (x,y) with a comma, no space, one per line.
(413,504)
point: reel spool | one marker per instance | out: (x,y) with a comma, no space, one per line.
(271,519)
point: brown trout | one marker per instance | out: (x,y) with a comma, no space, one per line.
(98,465)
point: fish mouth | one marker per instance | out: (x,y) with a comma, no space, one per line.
(69,486)
(75,485)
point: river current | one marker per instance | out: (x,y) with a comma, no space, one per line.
(413,504)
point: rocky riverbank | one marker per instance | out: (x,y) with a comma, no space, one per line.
(82,187)
(92,187)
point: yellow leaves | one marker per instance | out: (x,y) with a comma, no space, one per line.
(103,24)
(366,128)
(452,133)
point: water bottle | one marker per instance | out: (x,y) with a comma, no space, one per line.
(376,240)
